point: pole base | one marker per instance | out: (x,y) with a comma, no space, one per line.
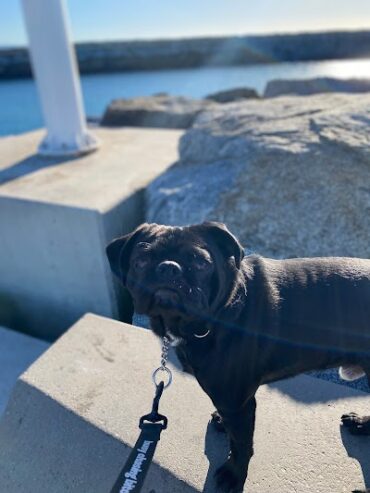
(83,144)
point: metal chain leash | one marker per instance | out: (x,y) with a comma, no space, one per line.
(163,367)
(164,355)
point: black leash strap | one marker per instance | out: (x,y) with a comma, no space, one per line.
(132,476)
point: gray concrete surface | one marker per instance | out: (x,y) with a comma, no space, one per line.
(56,218)
(17,352)
(73,415)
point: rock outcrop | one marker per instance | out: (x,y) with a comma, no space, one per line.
(290,176)
(231,95)
(159,111)
(305,87)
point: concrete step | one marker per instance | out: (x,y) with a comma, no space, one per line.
(17,352)
(72,420)
(63,213)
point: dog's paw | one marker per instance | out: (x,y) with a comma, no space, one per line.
(227,478)
(356,424)
(217,422)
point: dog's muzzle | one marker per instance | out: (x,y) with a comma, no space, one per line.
(166,297)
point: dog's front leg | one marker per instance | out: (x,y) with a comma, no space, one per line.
(239,425)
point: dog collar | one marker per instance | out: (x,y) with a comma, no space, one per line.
(201,336)
(176,341)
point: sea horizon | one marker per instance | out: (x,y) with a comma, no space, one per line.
(21,110)
(167,53)
(205,36)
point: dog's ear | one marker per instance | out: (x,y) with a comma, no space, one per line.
(228,244)
(119,251)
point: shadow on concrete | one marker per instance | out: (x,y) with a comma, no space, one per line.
(216,449)
(61,451)
(312,394)
(358,447)
(30,165)
(10,313)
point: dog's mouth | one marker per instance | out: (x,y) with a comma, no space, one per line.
(171,307)
(168,306)
(167,298)
(168,309)
(155,300)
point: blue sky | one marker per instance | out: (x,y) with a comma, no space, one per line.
(140,19)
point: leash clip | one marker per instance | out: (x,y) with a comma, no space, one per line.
(154,417)
(148,419)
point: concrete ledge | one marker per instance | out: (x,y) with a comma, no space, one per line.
(17,352)
(57,216)
(73,415)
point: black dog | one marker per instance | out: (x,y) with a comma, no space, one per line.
(239,322)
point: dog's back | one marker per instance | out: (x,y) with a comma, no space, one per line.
(322,303)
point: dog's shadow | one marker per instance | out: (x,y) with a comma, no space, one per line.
(216,449)
(358,447)
(216,443)
(217,446)
(309,393)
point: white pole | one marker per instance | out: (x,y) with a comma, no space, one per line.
(55,70)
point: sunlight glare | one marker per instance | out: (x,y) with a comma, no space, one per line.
(347,69)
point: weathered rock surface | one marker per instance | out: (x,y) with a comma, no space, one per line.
(290,176)
(304,87)
(233,95)
(159,111)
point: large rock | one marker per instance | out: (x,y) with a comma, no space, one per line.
(233,95)
(290,176)
(305,87)
(159,111)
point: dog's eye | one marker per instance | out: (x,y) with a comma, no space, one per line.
(198,262)
(201,264)
(142,245)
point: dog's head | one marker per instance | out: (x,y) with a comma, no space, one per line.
(177,275)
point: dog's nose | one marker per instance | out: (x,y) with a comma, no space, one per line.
(168,270)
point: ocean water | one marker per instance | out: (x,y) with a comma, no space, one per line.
(20,109)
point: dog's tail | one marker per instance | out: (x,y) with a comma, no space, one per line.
(351,373)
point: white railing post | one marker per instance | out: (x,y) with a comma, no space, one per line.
(55,70)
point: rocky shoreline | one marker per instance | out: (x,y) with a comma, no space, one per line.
(197,52)
(167,111)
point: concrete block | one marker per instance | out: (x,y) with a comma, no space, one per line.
(56,217)
(17,352)
(72,420)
